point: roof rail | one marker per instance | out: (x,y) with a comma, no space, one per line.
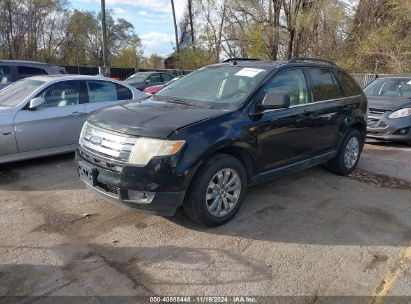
(297,59)
(235,59)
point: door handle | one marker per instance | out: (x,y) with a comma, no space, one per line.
(76,114)
(347,108)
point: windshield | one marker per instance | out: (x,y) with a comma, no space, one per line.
(390,87)
(219,86)
(138,77)
(16,92)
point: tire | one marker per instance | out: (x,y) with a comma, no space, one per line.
(408,142)
(338,164)
(199,209)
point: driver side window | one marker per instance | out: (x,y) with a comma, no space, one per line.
(291,83)
(66,93)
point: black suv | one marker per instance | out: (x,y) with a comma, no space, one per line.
(13,70)
(201,141)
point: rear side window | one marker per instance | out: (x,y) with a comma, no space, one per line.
(24,72)
(351,88)
(123,93)
(166,77)
(5,74)
(324,84)
(155,78)
(101,91)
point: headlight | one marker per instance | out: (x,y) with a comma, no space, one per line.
(146,148)
(401,113)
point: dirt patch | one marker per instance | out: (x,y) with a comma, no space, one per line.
(378,259)
(379,180)
(8,176)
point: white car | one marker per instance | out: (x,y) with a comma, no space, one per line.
(43,115)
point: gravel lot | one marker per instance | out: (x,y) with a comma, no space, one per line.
(311,233)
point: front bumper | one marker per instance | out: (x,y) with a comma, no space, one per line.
(132,186)
(398,129)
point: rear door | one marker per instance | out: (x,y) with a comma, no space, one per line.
(103,94)
(56,123)
(328,108)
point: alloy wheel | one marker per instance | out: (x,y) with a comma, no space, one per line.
(223,192)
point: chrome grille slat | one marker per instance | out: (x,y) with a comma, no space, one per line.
(115,146)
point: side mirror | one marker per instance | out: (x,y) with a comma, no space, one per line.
(273,100)
(36,102)
(148,81)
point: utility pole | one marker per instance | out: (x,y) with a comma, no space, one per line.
(175,25)
(190,12)
(104,30)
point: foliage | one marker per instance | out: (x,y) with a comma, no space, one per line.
(192,58)
(361,35)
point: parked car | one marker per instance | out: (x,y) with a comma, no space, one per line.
(201,141)
(43,115)
(13,70)
(143,80)
(155,89)
(389,109)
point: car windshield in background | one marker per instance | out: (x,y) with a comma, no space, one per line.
(139,77)
(217,86)
(16,92)
(390,87)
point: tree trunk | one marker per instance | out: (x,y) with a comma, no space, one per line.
(290,44)
(220,32)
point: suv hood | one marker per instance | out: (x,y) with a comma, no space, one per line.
(387,103)
(150,118)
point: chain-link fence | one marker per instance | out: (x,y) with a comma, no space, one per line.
(118,73)
(364,79)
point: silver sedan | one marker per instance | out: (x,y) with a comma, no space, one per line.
(43,115)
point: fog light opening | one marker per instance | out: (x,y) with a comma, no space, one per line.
(141,196)
(402,131)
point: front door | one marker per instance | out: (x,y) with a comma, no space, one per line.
(55,123)
(285,136)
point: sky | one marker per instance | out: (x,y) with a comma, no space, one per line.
(152,20)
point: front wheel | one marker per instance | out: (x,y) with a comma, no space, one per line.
(349,154)
(217,191)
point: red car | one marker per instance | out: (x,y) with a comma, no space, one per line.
(154,89)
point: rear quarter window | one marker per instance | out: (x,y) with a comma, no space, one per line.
(123,93)
(351,88)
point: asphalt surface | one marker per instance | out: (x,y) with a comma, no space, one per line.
(312,233)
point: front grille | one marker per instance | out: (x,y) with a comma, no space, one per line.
(108,144)
(374,118)
(376,112)
(375,123)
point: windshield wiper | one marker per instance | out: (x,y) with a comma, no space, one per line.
(180,101)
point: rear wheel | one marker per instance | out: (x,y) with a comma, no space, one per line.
(217,191)
(349,154)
